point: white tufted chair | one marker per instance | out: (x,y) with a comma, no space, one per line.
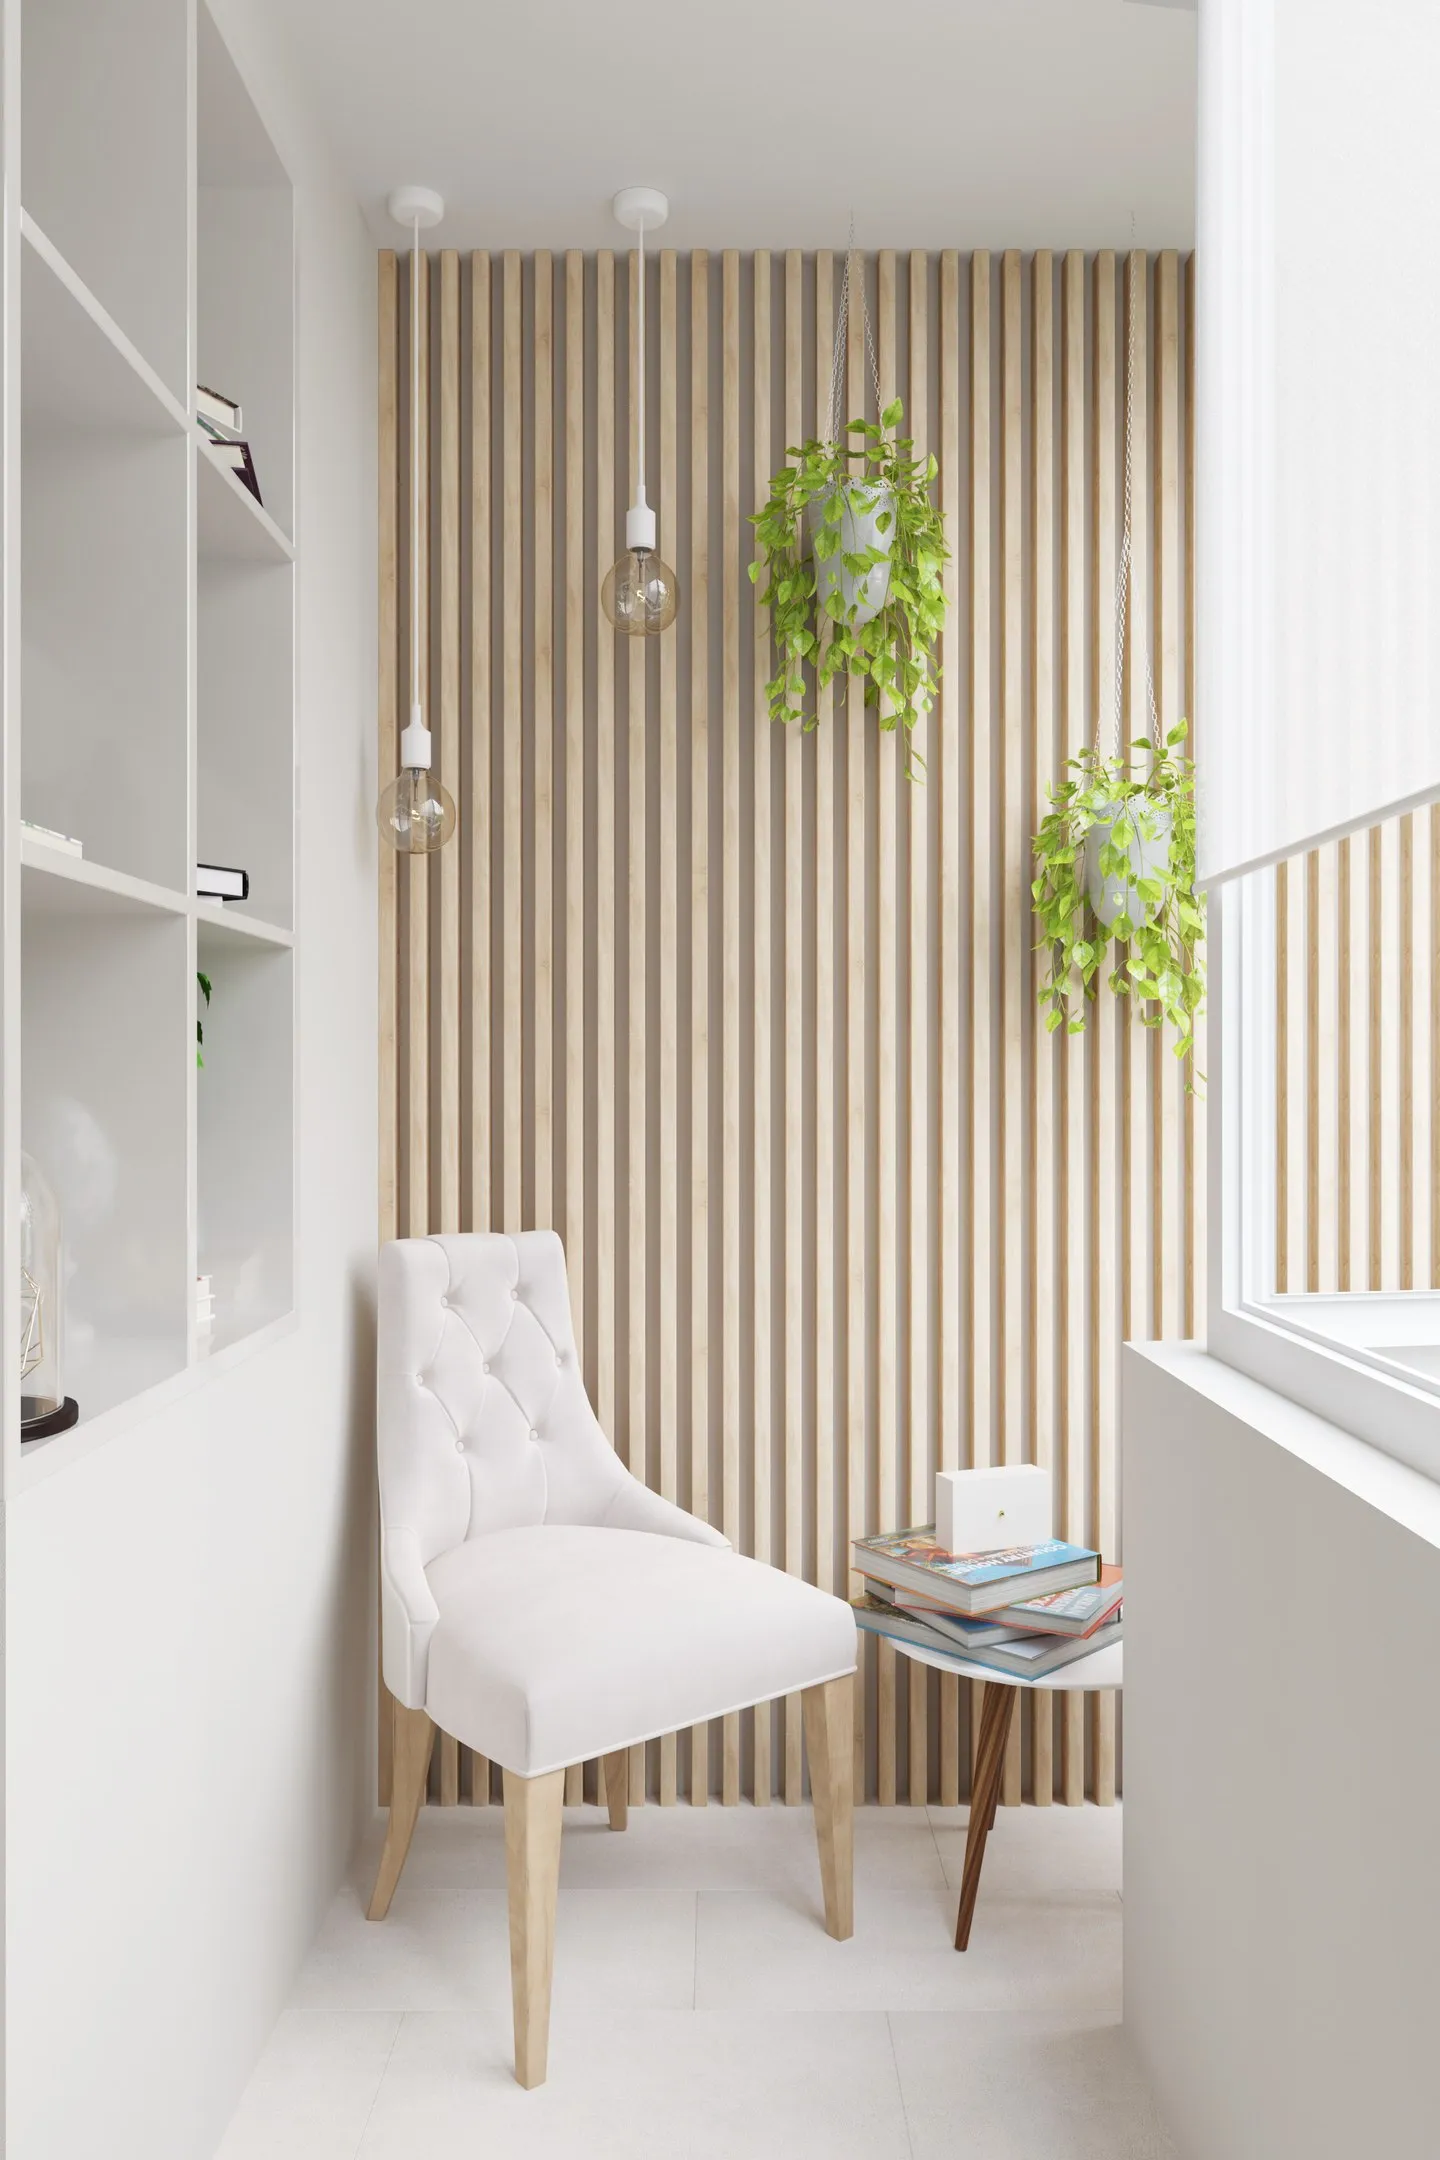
(542,1605)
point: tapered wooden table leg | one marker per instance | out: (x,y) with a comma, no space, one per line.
(996,1710)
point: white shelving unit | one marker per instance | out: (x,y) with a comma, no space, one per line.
(149,701)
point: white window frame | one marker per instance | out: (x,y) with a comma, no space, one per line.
(1334,1354)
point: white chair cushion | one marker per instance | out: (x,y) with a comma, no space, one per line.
(558,1643)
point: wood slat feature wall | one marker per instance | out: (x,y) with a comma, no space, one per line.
(744,1013)
(1357,1061)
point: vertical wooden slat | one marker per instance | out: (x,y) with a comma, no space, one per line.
(416,869)
(1044,712)
(920,1163)
(1434,948)
(1167,1078)
(734,1265)
(512,740)
(668,909)
(1074,1266)
(762,1231)
(475,834)
(447,726)
(699,807)
(606,1246)
(980,1316)
(542,801)
(887,1358)
(578,604)
(1193,1298)
(1103,1026)
(388,751)
(1345,1279)
(637,978)
(831,1574)
(1013,928)
(792,1222)
(857,1273)
(950,756)
(1405,1138)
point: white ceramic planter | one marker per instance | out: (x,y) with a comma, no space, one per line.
(1149,856)
(861,508)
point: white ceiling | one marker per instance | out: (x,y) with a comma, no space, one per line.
(952,123)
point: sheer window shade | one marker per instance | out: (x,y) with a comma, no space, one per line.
(1319,373)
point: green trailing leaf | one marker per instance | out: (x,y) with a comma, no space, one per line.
(1155,954)
(894,653)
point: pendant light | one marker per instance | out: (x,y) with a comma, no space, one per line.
(416,813)
(642,593)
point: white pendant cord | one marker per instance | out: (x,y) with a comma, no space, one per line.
(415,475)
(640,373)
(1123,568)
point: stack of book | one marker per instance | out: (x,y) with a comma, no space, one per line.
(220,421)
(1024,1611)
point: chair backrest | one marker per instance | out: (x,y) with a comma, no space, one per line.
(483,1419)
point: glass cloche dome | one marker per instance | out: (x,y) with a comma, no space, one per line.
(45,1408)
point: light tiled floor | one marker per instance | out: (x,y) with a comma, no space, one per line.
(701,2013)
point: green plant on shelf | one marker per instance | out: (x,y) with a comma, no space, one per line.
(204,982)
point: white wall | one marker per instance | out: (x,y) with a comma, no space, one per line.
(1282,1760)
(188,1610)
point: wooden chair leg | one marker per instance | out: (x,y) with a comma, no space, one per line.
(829,1713)
(996,1711)
(410,1766)
(617,1787)
(532,1865)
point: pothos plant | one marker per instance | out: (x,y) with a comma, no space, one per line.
(1138,831)
(204,985)
(829,487)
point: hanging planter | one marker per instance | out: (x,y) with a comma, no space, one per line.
(852,550)
(1115,860)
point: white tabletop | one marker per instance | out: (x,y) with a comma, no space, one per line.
(1103,1668)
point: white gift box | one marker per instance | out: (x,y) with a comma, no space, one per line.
(983,1510)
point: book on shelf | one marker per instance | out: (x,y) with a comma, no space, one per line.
(1071,1612)
(213,882)
(213,409)
(1020,1655)
(975,1583)
(235,457)
(931,1630)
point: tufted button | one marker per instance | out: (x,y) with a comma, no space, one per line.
(459,1447)
(485,1366)
(444,1304)
(420,1380)
(533,1434)
(515,1293)
(559,1357)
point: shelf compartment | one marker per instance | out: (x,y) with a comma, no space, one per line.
(79,369)
(246,732)
(105,157)
(105,570)
(231,523)
(245,237)
(245,1119)
(104,1112)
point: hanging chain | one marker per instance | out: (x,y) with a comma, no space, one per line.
(1123,569)
(842,344)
